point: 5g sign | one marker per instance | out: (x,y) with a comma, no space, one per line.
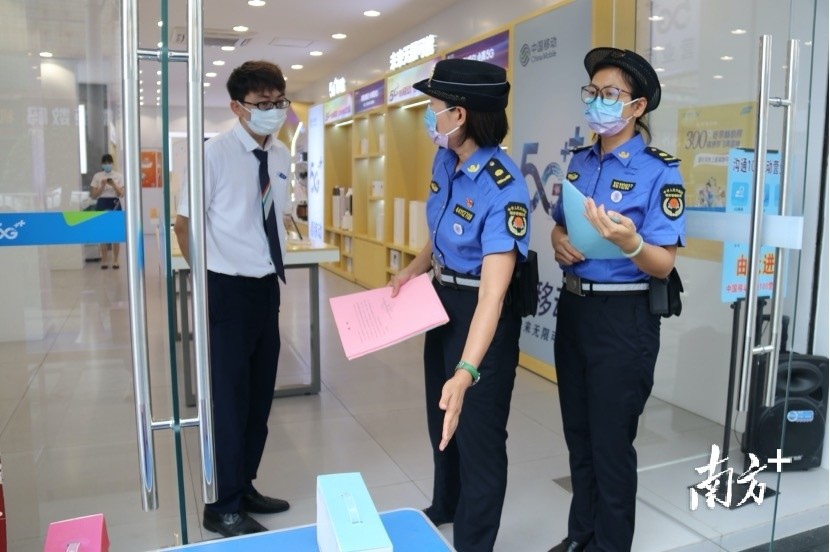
(9,233)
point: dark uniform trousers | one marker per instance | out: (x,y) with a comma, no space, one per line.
(244,349)
(605,351)
(471,473)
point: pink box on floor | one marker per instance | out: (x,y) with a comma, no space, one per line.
(88,532)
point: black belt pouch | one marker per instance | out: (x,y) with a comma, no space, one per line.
(664,295)
(524,286)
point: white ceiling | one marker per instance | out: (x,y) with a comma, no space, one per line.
(284,32)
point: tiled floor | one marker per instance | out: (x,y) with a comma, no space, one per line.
(67,436)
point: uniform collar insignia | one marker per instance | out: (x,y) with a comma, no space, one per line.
(473,167)
(623,154)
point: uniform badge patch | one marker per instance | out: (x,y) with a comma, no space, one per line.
(516,217)
(434,187)
(473,168)
(622,185)
(573,176)
(466,214)
(672,199)
(500,175)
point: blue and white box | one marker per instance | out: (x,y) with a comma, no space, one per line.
(347,520)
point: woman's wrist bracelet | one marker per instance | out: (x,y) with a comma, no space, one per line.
(470,369)
(637,250)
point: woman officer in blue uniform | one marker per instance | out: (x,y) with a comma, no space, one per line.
(477,212)
(607,339)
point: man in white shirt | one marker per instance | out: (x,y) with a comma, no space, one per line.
(245,187)
(107,187)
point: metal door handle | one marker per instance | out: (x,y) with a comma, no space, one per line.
(135,255)
(756,216)
(196,244)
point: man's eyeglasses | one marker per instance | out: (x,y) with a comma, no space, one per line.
(608,94)
(282,103)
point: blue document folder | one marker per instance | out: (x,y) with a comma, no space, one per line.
(581,232)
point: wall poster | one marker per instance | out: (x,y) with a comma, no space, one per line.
(547,74)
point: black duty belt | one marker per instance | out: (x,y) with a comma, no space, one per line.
(578,286)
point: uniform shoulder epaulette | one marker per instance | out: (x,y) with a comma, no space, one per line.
(498,173)
(666,158)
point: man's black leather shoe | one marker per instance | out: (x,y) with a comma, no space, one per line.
(231,525)
(568,545)
(436,518)
(258,504)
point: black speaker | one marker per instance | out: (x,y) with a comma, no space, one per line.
(804,414)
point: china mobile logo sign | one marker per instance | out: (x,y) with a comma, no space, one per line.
(11,232)
(717,487)
(538,50)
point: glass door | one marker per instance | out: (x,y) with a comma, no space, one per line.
(750,364)
(88,326)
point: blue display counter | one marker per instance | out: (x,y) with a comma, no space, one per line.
(409,530)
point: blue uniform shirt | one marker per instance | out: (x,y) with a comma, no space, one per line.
(480,209)
(642,183)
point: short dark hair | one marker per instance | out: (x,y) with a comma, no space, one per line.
(486,129)
(106,158)
(255,76)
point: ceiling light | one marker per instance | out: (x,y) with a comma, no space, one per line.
(46,54)
(140,90)
(140,103)
(717,76)
(296,66)
(315,53)
(211,74)
(726,58)
(656,18)
(160,23)
(240,28)
(158,72)
(659,48)
(738,31)
(658,69)
(219,62)
(158,44)
(158,90)
(158,83)
(228,48)
(371,13)
(338,36)
(256,3)
(141,98)
(207,84)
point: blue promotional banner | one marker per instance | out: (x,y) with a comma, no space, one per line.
(493,49)
(739,189)
(61,228)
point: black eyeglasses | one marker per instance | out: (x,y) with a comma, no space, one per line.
(609,94)
(282,103)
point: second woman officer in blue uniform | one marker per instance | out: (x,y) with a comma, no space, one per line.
(606,335)
(477,213)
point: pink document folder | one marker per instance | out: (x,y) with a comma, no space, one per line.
(371,320)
